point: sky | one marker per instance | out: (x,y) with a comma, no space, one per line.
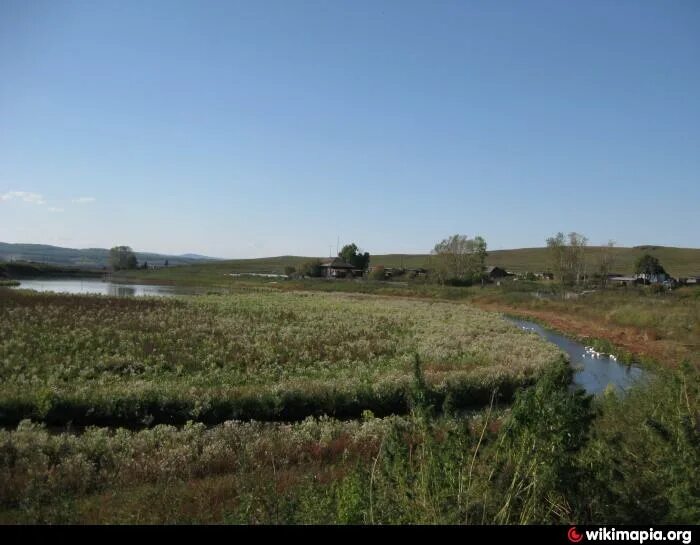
(249,129)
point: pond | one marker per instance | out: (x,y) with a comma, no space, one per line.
(102,287)
(593,371)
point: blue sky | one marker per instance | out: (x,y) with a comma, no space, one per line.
(245,129)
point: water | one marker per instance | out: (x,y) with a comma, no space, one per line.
(592,372)
(97,286)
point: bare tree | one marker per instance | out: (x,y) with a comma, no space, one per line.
(606,260)
(577,257)
(568,257)
(557,255)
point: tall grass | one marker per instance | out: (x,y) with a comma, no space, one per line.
(254,354)
(555,457)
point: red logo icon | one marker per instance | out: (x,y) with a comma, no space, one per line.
(573,535)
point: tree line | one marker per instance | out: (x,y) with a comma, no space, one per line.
(571,267)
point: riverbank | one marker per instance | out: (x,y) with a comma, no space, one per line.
(658,329)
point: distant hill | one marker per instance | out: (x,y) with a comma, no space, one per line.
(85,258)
(677,261)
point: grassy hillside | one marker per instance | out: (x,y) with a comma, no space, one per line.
(90,257)
(677,261)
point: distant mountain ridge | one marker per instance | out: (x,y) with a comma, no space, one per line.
(88,257)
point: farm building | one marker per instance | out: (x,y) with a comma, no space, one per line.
(337,268)
(622,280)
(495,273)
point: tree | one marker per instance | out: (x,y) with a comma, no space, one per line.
(606,259)
(145,265)
(166,262)
(568,257)
(459,259)
(122,258)
(311,268)
(352,254)
(557,256)
(648,265)
(577,256)
(289,270)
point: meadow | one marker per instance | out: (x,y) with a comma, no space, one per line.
(344,402)
(554,457)
(253,354)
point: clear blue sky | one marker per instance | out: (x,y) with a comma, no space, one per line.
(243,129)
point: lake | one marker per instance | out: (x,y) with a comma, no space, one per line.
(592,372)
(100,287)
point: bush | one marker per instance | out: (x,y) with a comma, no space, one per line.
(378,273)
(311,268)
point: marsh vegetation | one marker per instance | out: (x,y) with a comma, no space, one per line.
(255,354)
(358,407)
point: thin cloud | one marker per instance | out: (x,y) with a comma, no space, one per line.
(84,200)
(55,209)
(25,196)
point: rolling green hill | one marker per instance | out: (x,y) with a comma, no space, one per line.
(677,261)
(87,258)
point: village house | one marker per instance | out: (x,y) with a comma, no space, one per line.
(656,278)
(622,280)
(496,273)
(337,268)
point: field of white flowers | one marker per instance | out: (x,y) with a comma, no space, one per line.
(250,355)
(550,456)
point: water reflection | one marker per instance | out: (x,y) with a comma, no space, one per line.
(99,287)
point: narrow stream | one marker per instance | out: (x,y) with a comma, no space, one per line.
(593,371)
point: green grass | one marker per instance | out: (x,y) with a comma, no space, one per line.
(253,354)
(555,457)
(550,457)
